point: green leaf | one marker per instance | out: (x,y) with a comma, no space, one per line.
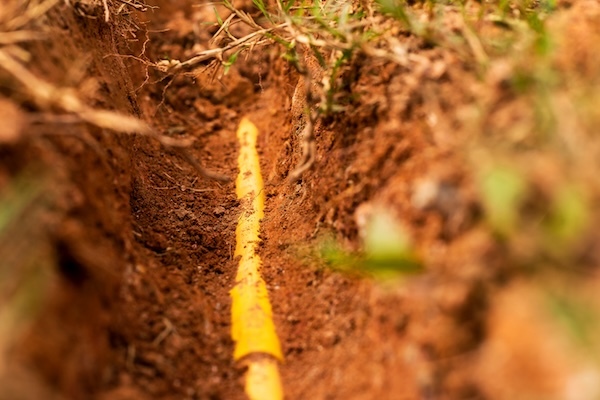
(569,215)
(503,190)
(287,5)
(395,9)
(219,20)
(263,9)
(230,61)
(388,246)
(577,317)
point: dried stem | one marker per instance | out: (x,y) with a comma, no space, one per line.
(176,66)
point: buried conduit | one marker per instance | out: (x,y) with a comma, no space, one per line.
(252,329)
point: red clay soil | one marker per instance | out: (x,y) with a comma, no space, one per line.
(141,246)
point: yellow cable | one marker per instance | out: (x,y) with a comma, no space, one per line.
(252,326)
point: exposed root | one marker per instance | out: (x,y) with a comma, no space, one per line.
(199,168)
(249,41)
(260,36)
(309,147)
(91,8)
(9,38)
(311,113)
(47,96)
(15,15)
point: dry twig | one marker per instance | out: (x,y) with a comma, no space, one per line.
(251,40)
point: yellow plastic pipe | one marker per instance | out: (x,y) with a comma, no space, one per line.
(252,326)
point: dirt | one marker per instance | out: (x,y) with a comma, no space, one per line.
(137,247)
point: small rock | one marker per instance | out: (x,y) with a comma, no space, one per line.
(220,210)
(205,108)
(181,213)
(156,242)
(12,122)
(432,194)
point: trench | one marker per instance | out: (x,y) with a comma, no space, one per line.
(158,324)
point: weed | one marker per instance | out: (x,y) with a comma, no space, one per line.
(502,190)
(387,249)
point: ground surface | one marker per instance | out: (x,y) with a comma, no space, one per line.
(126,252)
